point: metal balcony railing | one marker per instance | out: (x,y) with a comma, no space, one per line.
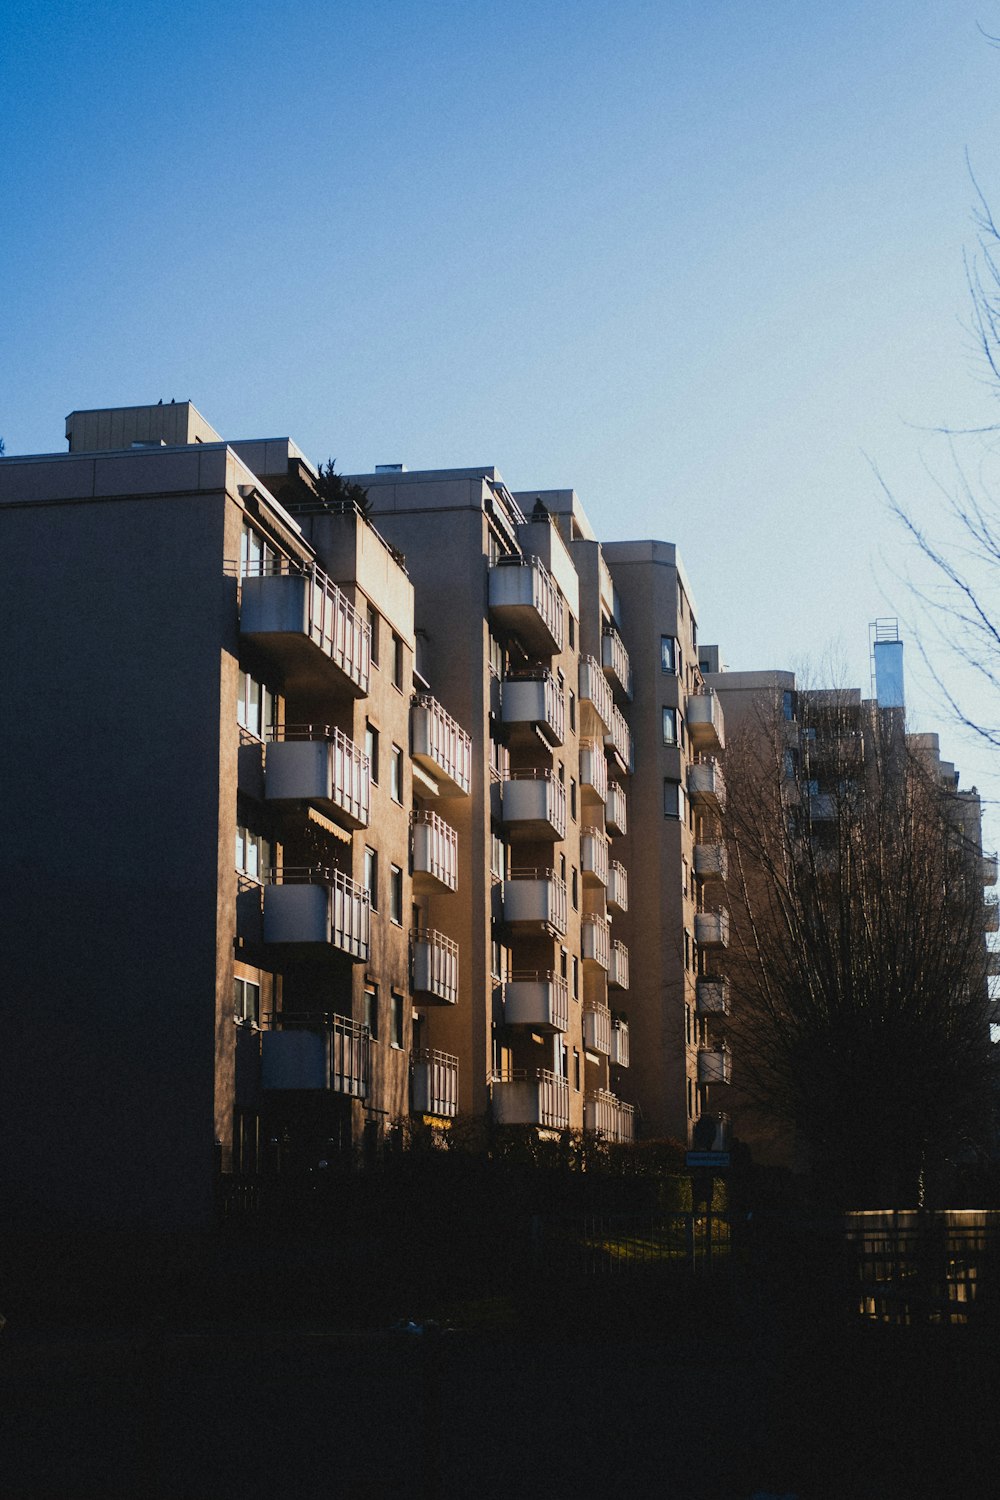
(606,1115)
(596,698)
(315,1050)
(619,740)
(536,700)
(597,1027)
(536,900)
(618,968)
(617,886)
(317,905)
(615,659)
(435,966)
(284,602)
(594,769)
(535,802)
(594,856)
(530,1096)
(595,940)
(435,853)
(435,1083)
(616,812)
(536,997)
(319,763)
(440,745)
(619,1042)
(705,720)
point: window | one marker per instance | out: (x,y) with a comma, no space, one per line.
(788,704)
(257,556)
(371,1010)
(371,750)
(256,706)
(572,709)
(576,978)
(498,857)
(562,1058)
(397,661)
(572,799)
(396,774)
(576,1070)
(572,633)
(496,960)
(673,800)
(670,726)
(668,654)
(791,764)
(246,1001)
(562,868)
(371,876)
(373,626)
(563,963)
(687,1008)
(396,894)
(561,773)
(253,853)
(694,636)
(575,888)
(496,657)
(396,1019)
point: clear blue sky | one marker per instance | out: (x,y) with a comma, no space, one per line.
(694,259)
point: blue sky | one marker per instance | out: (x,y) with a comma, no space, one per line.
(699,261)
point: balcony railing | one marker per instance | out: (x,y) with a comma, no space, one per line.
(539,999)
(713,997)
(300,619)
(435,967)
(705,722)
(435,854)
(525,598)
(596,698)
(617,886)
(522,1096)
(619,741)
(440,746)
(534,702)
(616,813)
(991,914)
(597,1027)
(606,1115)
(327,1052)
(615,660)
(707,785)
(320,908)
(715,1065)
(535,901)
(619,1041)
(435,1083)
(711,861)
(618,969)
(594,856)
(594,769)
(595,941)
(534,805)
(318,763)
(711,929)
(989,869)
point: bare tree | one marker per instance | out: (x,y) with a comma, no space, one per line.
(858,961)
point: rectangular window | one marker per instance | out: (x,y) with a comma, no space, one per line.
(576,978)
(562,868)
(373,626)
(498,857)
(396,894)
(668,654)
(670,726)
(371,1010)
(563,963)
(397,661)
(371,876)
(575,888)
(788,705)
(572,710)
(572,799)
(396,774)
(576,1070)
(246,1001)
(687,1008)
(253,854)
(572,633)
(371,750)
(396,1019)
(496,657)
(673,800)
(256,707)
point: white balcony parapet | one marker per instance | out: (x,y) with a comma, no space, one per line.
(596,698)
(530,1096)
(606,1115)
(705,720)
(991,914)
(711,861)
(435,1083)
(616,813)
(713,997)
(535,702)
(329,1053)
(715,1065)
(539,999)
(618,969)
(319,764)
(594,769)
(319,908)
(535,900)
(435,966)
(595,940)
(615,660)
(989,869)
(534,804)
(597,1027)
(300,618)
(617,886)
(711,928)
(435,853)
(525,598)
(440,746)
(706,784)
(594,856)
(619,1041)
(619,741)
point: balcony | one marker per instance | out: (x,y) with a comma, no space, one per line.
(318,909)
(618,741)
(530,1097)
(616,814)
(608,1116)
(435,1083)
(535,901)
(617,897)
(435,968)
(594,856)
(595,941)
(619,1042)
(320,765)
(525,599)
(715,1065)
(993,962)
(593,770)
(534,704)
(435,854)
(991,915)
(596,698)
(707,785)
(618,969)
(615,660)
(327,1054)
(539,1000)
(302,623)
(713,997)
(711,929)
(440,747)
(711,861)
(706,726)
(534,805)
(989,869)
(597,1027)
